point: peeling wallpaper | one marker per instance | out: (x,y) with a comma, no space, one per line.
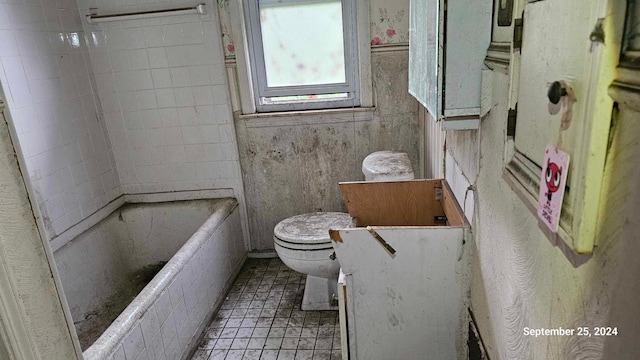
(389,22)
(225,28)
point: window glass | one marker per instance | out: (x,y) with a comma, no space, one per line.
(303,43)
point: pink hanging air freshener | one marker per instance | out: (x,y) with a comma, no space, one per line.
(552,184)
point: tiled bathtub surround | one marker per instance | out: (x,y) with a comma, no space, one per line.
(47,77)
(162,82)
(261,319)
(165,319)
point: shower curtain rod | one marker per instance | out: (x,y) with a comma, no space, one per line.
(199,9)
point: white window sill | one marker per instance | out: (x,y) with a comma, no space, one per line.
(307,117)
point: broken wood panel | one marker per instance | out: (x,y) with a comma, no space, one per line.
(451,207)
(395,203)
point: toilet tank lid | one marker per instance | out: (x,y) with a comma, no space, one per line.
(312,228)
(387,165)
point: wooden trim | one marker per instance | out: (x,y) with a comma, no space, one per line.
(460,122)
(518,177)
(451,207)
(364,77)
(399,47)
(498,57)
(626,94)
(245,82)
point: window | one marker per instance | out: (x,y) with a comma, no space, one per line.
(302,54)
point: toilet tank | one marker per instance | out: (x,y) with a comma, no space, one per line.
(387,166)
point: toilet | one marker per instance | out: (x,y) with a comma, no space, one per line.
(303,244)
(387,166)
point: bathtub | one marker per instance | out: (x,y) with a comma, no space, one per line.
(201,243)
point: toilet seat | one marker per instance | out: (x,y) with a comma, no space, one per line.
(302,247)
(309,232)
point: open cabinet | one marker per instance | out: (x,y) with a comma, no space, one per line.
(448,40)
(404,271)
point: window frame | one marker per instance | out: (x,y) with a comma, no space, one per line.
(258,69)
(359,53)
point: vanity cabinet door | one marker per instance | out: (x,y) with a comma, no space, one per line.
(408,305)
(425,54)
(448,41)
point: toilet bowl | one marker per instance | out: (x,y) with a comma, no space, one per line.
(303,244)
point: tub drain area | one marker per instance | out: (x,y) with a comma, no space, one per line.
(96,322)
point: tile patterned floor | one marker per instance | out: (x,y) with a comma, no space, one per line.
(261,319)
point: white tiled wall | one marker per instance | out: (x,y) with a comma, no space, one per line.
(47,77)
(162,83)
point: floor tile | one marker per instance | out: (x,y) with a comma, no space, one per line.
(235,355)
(304,355)
(293,332)
(269,355)
(323,343)
(256,343)
(309,332)
(272,343)
(325,331)
(261,319)
(290,343)
(286,355)
(218,354)
(322,355)
(244,332)
(228,333)
(252,355)
(239,344)
(306,343)
(213,333)
(223,344)
(261,332)
(276,332)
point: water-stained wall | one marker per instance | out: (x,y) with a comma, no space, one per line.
(292,164)
(519,279)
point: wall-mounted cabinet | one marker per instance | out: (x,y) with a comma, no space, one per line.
(578,43)
(448,41)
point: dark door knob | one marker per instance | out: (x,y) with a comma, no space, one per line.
(556,92)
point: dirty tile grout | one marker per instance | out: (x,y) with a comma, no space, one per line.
(261,319)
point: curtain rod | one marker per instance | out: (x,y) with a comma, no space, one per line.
(199,9)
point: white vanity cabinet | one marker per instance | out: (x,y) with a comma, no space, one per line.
(448,41)
(404,271)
